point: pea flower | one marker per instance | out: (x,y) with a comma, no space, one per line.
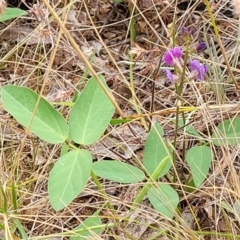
(201,47)
(185,31)
(198,70)
(171,77)
(187,34)
(173,56)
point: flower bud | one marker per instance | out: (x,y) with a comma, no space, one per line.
(201,47)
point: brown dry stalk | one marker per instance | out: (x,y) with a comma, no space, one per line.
(83,58)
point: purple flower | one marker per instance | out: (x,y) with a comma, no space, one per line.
(198,70)
(186,33)
(172,77)
(172,56)
(201,47)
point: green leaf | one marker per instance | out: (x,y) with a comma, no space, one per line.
(10,13)
(47,122)
(156,151)
(4,201)
(236,207)
(227,206)
(83,230)
(117,1)
(14,198)
(68,177)
(227,133)
(118,171)
(199,160)
(164,199)
(120,121)
(91,114)
(234,210)
(20,228)
(189,128)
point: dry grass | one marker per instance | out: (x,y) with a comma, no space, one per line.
(38,53)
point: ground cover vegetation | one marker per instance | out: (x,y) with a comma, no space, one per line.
(119,119)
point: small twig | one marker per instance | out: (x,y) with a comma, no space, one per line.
(83,58)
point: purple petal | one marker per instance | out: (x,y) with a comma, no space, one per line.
(171,77)
(187,33)
(168,58)
(200,69)
(170,55)
(201,46)
(177,52)
(185,30)
(194,64)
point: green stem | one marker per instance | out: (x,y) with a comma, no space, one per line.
(179,90)
(101,190)
(149,183)
(131,76)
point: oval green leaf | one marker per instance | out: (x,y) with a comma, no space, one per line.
(10,13)
(118,171)
(199,160)
(68,177)
(227,133)
(84,231)
(188,128)
(155,151)
(164,199)
(47,123)
(90,114)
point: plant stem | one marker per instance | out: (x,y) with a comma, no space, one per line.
(179,90)
(149,183)
(131,76)
(101,190)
